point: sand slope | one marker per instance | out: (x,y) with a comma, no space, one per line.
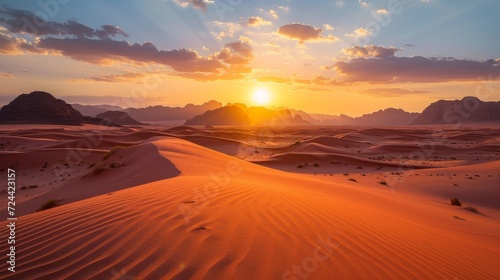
(225,218)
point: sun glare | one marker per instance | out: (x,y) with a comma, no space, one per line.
(261,97)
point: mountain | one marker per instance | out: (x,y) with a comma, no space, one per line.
(229,115)
(387,117)
(162,113)
(94,110)
(468,110)
(241,115)
(118,117)
(40,107)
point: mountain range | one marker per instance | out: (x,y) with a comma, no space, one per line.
(42,108)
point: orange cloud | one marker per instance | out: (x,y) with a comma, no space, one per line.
(119,78)
(304,32)
(274,79)
(257,22)
(391,92)
(370,51)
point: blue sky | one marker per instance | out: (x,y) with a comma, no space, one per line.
(282,50)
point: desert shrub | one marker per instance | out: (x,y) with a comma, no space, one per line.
(112,151)
(472,209)
(33,186)
(300,166)
(51,203)
(115,164)
(352,180)
(383,183)
(23,188)
(316,165)
(98,167)
(455,201)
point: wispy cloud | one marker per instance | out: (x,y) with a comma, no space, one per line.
(198,4)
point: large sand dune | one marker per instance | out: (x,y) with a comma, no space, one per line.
(174,209)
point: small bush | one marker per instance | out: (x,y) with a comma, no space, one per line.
(352,180)
(472,209)
(112,151)
(455,201)
(98,168)
(300,166)
(33,186)
(383,183)
(115,164)
(316,165)
(47,205)
(23,188)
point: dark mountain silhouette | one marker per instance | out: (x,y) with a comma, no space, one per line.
(229,115)
(389,117)
(240,115)
(386,117)
(118,117)
(468,110)
(94,110)
(40,107)
(162,113)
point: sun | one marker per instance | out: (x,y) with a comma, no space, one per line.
(261,97)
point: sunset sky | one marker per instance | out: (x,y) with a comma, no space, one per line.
(335,57)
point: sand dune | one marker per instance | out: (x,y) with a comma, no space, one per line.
(202,214)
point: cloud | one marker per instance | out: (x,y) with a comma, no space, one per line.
(198,4)
(382,11)
(5,75)
(283,8)
(273,14)
(370,51)
(360,32)
(328,27)
(227,29)
(119,78)
(303,32)
(106,51)
(274,79)
(392,92)
(12,45)
(230,63)
(19,21)
(364,3)
(256,22)
(391,69)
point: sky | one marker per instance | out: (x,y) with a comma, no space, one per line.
(332,57)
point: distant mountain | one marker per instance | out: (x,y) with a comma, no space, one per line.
(229,115)
(94,110)
(118,117)
(162,113)
(40,107)
(241,115)
(468,110)
(387,117)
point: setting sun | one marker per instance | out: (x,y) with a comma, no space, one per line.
(261,97)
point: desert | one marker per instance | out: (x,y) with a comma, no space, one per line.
(229,202)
